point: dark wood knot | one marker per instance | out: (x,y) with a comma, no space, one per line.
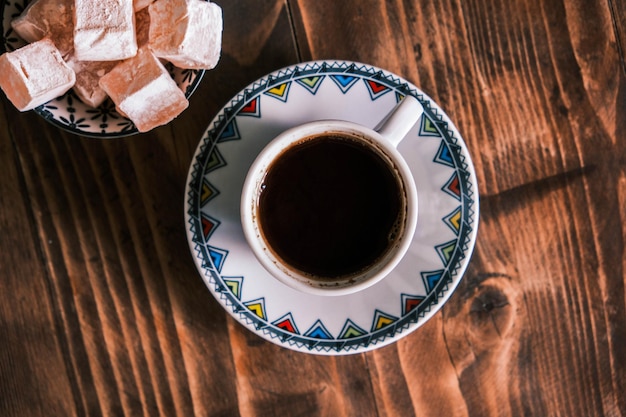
(490,311)
(484,322)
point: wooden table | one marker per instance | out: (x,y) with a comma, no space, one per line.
(102,311)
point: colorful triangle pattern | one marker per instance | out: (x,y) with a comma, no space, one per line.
(209,224)
(410,302)
(453,187)
(215,160)
(217,256)
(444,156)
(382,320)
(230,132)
(318,331)
(252,108)
(257,307)
(428,127)
(208,192)
(287,323)
(454,219)
(445,251)
(344,82)
(375,89)
(431,279)
(311,84)
(234,285)
(279,92)
(350,330)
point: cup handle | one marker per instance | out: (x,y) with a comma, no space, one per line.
(400,120)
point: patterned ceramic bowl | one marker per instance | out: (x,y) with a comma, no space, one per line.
(71,114)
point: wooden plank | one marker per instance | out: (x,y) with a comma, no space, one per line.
(538,98)
(273,380)
(618,15)
(34,375)
(416,377)
(97,282)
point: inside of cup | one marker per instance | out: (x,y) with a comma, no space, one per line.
(326,157)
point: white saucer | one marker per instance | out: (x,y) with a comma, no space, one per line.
(382,314)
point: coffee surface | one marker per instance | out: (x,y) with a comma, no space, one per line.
(330,206)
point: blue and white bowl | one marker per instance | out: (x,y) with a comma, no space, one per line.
(68,112)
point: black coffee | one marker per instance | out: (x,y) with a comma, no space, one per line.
(330,206)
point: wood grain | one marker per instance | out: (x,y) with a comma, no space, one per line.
(537,97)
(31,353)
(102,312)
(618,17)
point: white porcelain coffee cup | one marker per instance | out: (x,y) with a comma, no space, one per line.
(381,142)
